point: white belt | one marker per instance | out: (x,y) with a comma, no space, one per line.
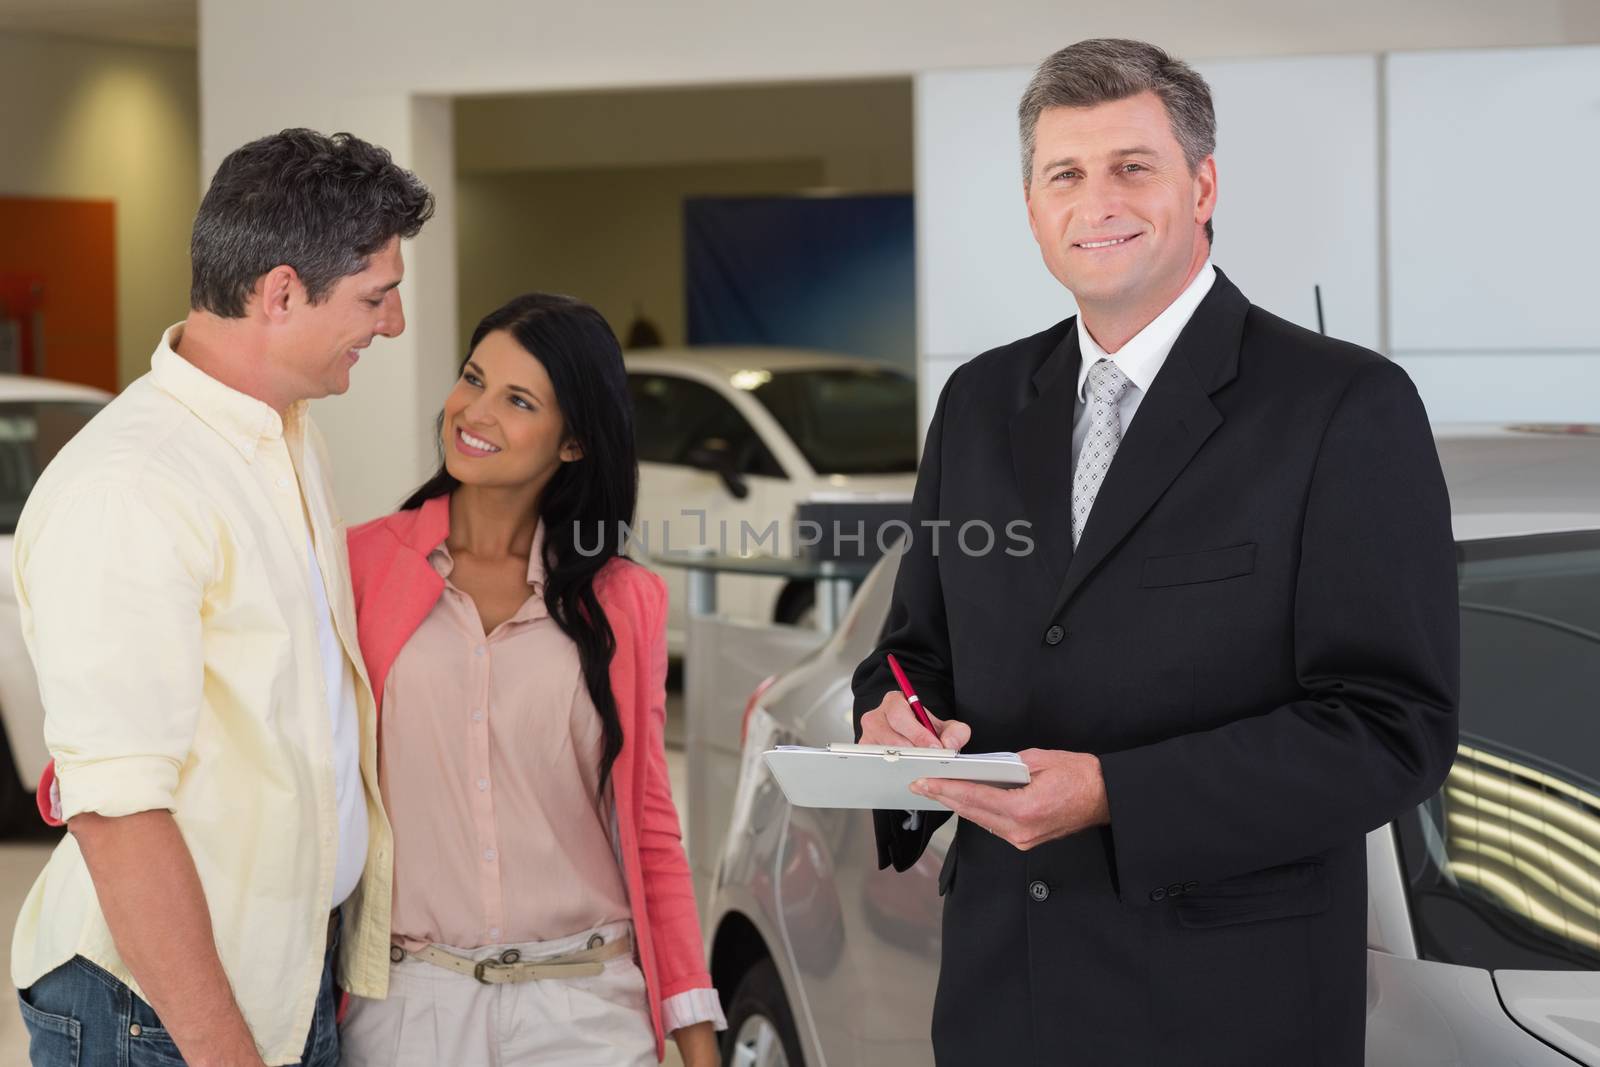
(509,965)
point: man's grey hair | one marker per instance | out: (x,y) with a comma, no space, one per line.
(1106,69)
(320,204)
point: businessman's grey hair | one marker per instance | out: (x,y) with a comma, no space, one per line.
(1106,69)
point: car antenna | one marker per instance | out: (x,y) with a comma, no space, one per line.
(1317,291)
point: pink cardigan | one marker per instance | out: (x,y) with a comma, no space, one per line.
(396,588)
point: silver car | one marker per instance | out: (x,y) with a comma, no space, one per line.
(1484,919)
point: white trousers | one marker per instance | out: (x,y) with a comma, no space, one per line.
(437,1018)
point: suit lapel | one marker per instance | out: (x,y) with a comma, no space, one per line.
(1041,450)
(1174,419)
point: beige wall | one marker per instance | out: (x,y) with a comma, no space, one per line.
(860,130)
(612,237)
(583,193)
(117,122)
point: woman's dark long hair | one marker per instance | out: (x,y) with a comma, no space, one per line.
(594,493)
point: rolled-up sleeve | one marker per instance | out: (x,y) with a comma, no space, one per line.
(110,584)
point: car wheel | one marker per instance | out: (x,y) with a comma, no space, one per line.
(797,605)
(760,1027)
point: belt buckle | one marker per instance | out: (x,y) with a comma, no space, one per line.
(479,968)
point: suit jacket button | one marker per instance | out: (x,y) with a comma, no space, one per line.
(1157,895)
(1038,890)
(1175,889)
(1189,887)
(1054,635)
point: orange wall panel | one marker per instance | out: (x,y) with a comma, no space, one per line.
(67,247)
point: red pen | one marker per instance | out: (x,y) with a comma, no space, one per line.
(910,694)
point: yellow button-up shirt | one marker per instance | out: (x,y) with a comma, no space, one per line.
(164,589)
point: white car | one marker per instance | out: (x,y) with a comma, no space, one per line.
(37,417)
(733,440)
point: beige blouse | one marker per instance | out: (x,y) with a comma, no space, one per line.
(490,761)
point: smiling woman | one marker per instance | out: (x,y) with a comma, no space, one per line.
(522,766)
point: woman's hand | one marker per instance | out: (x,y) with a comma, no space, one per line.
(697,1045)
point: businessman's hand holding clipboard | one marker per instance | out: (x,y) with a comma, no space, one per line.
(882,775)
(1065,793)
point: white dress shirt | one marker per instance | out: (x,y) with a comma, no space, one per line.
(1140,359)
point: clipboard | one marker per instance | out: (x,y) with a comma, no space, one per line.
(880,776)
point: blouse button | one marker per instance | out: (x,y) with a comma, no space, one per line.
(489,854)
(478,651)
(483,784)
(477,716)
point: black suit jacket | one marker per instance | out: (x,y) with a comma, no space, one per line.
(1257,635)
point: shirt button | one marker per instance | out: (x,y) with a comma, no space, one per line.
(494,931)
(483,783)
(283,483)
(478,651)
(1038,891)
(477,716)
(489,854)
(135,1030)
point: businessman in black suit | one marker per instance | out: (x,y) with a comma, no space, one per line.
(1231,652)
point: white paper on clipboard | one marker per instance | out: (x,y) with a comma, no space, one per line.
(880,776)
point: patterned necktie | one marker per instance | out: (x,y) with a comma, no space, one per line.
(1107,384)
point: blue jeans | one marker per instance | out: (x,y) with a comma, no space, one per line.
(80,1016)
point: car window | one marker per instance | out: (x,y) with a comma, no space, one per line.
(847,420)
(672,415)
(1503,865)
(31,433)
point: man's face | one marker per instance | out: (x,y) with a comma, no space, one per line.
(1118,216)
(327,338)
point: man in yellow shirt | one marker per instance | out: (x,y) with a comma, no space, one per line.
(183,587)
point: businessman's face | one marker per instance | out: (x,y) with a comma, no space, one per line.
(1117,213)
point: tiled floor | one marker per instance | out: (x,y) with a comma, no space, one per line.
(20,864)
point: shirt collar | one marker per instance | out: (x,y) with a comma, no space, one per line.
(241,420)
(1141,358)
(444,563)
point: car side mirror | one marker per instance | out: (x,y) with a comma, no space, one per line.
(714,454)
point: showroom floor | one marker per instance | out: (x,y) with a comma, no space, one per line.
(20,864)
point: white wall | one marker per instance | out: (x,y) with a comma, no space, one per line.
(308,50)
(111,122)
(1494,168)
(359,64)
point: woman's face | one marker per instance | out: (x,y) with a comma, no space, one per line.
(502,428)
